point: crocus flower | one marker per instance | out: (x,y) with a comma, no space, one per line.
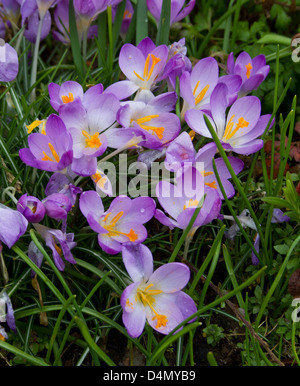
(142,65)
(245,220)
(12,225)
(102,182)
(238,131)
(197,86)
(127,16)
(9,62)
(35,255)
(31,208)
(31,17)
(177,63)
(60,244)
(57,206)
(11,10)
(181,200)
(61,19)
(71,91)
(157,126)
(252,71)
(86,127)
(6,315)
(121,223)
(52,151)
(59,183)
(154,296)
(178,9)
(181,150)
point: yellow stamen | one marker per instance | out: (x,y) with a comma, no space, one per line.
(127,15)
(68,99)
(156,130)
(54,153)
(192,134)
(112,232)
(211,184)
(92,140)
(146,297)
(201,94)
(191,204)
(205,174)
(147,73)
(99,179)
(229,131)
(58,250)
(33,125)
(248,68)
(2,338)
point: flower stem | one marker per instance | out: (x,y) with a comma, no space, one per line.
(35,58)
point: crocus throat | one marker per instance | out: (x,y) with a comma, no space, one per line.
(68,99)
(127,15)
(53,152)
(201,94)
(91,140)
(146,296)
(155,130)
(148,72)
(230,131)
(111,227)
(248,68)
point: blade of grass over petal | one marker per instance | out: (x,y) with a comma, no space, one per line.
(162,36)
(75,43)
(184,235)
(142,21)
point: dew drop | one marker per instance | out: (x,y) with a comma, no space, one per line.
(142,210)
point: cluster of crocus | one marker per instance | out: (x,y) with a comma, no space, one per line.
(90,125)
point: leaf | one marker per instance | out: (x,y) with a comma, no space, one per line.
(282,249)
(274,39)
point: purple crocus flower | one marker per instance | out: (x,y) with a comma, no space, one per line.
(51,151)
(252,71)
(6,315)
(142,65)
(181,200)
(35,255)
(11,10)
(127,16)
(177,63)
(61,19)
(181,150)
(238,131)
(86,127)
(57,206)
(59,183)
(9,62)
(121,223)
(154,296)
(157,126)
(60,244)
(71,91)
(178,9)
(31,17)
(31,208)
(197,86)
(12,225)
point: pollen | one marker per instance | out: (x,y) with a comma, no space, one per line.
(201,94)
(91,140)
(54,154)
(230,131)
(248,68)
(67,99)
